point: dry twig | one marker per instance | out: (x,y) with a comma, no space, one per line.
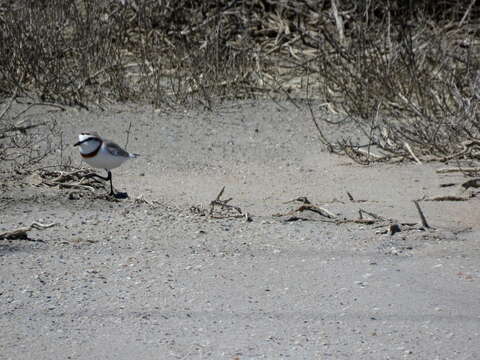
(422,216)
(365,217)
(352,199)
(76,179)
(473,183)
(412,154)
(458,169)
(449,198)
(307,206)
(226,210)
(21,233)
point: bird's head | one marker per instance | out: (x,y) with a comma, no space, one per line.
(85,137)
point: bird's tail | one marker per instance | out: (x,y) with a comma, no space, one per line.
(133,156)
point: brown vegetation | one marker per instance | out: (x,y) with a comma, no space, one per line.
(406,73)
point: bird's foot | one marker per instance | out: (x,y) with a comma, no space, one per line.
(119,195)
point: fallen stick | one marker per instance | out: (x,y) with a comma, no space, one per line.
(369,153)
(448,198)
(422,216)
(302,199)
(21,233)
(448,185)
(63,179)
(76,186)
(309,207)
(316,209)
(457,169)
(356,221)
(65,176)
(372,215)
(475,183)
(412,154)
(352,199)
(224,205)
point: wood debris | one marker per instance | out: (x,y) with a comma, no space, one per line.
(221,209)
(458,169)
(21,233)
(365,217)
(79,179)
(307,206)
(473,183)
(449,198)
(421,214)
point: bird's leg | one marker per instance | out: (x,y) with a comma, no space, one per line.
(105,178)
(118,195)
(112,193)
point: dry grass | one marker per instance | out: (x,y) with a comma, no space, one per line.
(407,74)
(410,83)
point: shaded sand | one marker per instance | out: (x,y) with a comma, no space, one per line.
(127,280)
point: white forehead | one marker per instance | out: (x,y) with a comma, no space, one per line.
(87,135)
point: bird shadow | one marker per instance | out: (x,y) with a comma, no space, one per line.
(120,195)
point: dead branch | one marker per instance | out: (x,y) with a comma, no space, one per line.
(351,198)
(21,233)
(10,101)
(338,22)
(226,210)
(302,199)
(412,154)
(307,206)
(365,217)
(467,148)
(422,216)
(449,198)
(77,179)
(78,186)
(128,135)
(4,133)
(474,183)
(466,13)
(447,185)
(356,221)
(372,215)
(362,156)
(458,169)
(316,209)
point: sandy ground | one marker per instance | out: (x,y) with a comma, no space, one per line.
(131,280)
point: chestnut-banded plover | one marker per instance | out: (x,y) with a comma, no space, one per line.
(102,154)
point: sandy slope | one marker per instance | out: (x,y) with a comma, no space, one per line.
(123,280)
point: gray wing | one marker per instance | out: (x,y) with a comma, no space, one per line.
(115,149)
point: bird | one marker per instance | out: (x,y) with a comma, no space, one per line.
(101,153)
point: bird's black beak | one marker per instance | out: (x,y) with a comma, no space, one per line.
(77,143)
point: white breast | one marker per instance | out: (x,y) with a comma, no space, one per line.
(104,159)
(88,147)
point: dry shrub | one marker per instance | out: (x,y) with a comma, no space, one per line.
(166,52)
(62,51)
(27,133)
(161,51)
(405,73)
(409,78)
